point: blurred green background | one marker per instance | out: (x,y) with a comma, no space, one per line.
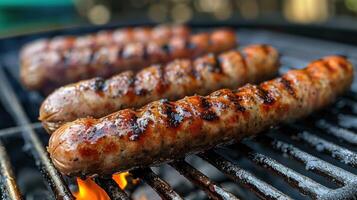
(28,16)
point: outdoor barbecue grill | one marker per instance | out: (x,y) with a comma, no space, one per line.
(313,158)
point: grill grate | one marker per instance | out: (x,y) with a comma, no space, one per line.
(8,183)
(202,181)
(332,155)
(32,142)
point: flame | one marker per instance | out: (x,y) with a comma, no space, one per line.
(122,179)
(88,190)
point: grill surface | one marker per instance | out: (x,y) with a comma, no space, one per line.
(315,156)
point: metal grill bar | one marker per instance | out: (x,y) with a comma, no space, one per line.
(160,186)
(211,188)
(43,162)
(352,106)
(111,188)
(234,172)
(347,121)
(340,153)
(347,192)
(346,135)
(334,115)
(313,163)
(7,179)
(305,184)
(15,130)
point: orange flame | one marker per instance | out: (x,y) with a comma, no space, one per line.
(88,190)
(120,179)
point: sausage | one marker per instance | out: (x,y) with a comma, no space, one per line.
(164,130)
(160,33)
(51,69)
(98,97)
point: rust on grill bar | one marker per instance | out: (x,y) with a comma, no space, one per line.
(213,190)
(9,188)
(43,162)
(160,186)
(261,188)
(111,188)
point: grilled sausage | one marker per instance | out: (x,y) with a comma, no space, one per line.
(159,33)
(164,130)
(50,69)
(98,97)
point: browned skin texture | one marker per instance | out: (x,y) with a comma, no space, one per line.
(47,70)
(99,97)
(160,33)
(164,130)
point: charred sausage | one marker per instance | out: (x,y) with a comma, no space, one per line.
(98,97)
(160,33)
(164,130)
(48,70)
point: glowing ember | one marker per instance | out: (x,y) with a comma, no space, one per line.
(88,190)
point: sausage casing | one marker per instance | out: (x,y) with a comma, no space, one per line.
(160,33)
(164,130)
(175,80)
(50,69)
